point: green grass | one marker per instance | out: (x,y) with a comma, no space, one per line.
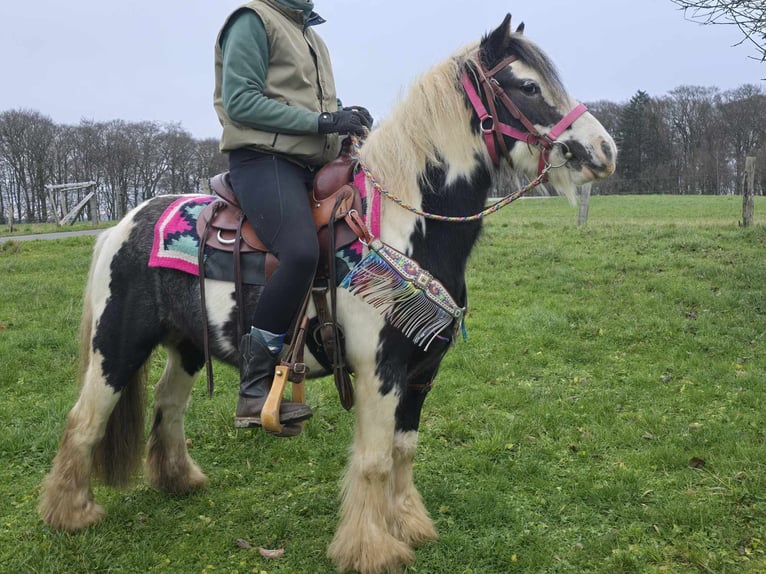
(603,365)
(34,228)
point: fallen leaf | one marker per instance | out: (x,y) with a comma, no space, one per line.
(648,436)
(697,462)
(243,543)
(272,554)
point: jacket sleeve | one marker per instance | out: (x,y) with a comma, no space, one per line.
(245,48)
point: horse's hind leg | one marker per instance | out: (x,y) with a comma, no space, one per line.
(168,465)
(67,499)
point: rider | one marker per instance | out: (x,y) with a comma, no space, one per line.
(275,98)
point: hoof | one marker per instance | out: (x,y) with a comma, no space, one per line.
(373,553)
(64,517)
(415,533)
(412,524)
(179,478)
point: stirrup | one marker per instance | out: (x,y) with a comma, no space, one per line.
(270,411)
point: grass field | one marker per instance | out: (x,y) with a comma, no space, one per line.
(606,414)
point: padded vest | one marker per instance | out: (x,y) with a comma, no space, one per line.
(299,74)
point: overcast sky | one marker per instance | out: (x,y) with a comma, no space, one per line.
(153,59)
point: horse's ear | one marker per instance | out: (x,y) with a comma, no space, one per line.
(520,29)
(494,45)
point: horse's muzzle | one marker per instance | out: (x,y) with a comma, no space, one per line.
(594,163)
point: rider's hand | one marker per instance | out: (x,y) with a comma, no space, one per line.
(346,121)
(364,112)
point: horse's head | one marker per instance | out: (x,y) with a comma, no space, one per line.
(528,117)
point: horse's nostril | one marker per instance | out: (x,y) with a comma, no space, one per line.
(606,149)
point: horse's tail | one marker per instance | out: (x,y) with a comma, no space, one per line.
(118,455)
(86,321)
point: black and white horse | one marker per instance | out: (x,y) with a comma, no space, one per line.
(432,152)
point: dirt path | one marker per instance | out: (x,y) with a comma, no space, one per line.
(56,235)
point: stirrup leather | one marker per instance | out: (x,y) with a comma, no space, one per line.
(293,369)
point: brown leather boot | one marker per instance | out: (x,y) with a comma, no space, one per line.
(256,371)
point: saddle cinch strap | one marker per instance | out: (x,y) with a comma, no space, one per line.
(222,225)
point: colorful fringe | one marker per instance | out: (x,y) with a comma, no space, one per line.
(409,297)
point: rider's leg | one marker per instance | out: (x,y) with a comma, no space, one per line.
(273,194)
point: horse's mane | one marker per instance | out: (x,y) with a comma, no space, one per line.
(421,127)
(433,120)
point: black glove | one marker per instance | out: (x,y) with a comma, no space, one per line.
(364,112)
(344,122)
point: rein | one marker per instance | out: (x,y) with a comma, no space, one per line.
(493,132)
(378,187)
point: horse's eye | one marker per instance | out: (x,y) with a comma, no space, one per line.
(530,88)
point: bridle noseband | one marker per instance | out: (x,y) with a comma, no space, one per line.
(494,131)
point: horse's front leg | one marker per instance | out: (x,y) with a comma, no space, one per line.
(363,540)
(410,521)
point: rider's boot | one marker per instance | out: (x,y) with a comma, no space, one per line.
(256,371)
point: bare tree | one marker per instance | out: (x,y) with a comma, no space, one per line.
(210,160)
(693,116)
(179,150)
(153,159)
(121,159)
(748,15)
(25,144)
(743,111)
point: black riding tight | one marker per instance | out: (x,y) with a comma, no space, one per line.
(273,194)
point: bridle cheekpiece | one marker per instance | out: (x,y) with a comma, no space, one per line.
(494,130)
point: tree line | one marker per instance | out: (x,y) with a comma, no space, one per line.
(128,162)
(694,140)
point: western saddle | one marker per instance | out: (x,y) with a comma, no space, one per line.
(335,205)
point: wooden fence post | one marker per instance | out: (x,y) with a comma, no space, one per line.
(93,208)
(748,190)
(582,216)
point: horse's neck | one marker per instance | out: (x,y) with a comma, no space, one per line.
(456,184)
(426,154)
(444,247)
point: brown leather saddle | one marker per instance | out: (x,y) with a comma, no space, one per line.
(222,225)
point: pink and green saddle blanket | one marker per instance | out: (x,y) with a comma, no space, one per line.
(176,246)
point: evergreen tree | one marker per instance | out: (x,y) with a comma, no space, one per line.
(633,140)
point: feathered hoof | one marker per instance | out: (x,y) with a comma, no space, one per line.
(180,478)
(372,552)
(62,515)
(415,530)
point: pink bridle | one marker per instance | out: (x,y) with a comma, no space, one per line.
(493,130)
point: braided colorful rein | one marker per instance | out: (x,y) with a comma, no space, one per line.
(356,144)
